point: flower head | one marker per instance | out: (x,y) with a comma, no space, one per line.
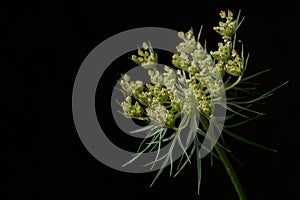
(181,94)
(147,58)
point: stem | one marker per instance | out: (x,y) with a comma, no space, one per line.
(233,176)
(235,83)
(227,164)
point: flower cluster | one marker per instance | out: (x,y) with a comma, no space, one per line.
(192,87)
(228,28)
(187,90)
(227,57)
(179,95)
(147,58)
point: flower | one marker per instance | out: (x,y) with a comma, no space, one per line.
(226,29)
(185,92)
(147,58)
(131,87)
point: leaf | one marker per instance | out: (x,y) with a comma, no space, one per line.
(263,96)
(142,129)
(161,135)
(233,111)
(199,34)
(171,164)
(245,108)
(147,137)
(186,161)
(198,160)
(238,22)
(153,141)
(247,141)
(165,163)
(248,90)
(205,148)
(136,156)
(155,161)
(160,171)
(254,75)
(181,145)
(242,122)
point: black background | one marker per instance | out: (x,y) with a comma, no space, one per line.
(43,46)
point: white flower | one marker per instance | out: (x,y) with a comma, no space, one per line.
(158,114)
(189,43)
(156,77)
(130,86)
(147,58)
(169,78)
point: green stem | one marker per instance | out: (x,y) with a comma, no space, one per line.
(227,164)
(233,176)
(235,83)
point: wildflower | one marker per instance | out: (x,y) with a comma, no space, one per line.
(147,58)
(226,29)
(131,87)
(176,97)
(132,110)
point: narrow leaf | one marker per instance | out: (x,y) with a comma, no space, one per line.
(242,139)
(198,160)
(254,75)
